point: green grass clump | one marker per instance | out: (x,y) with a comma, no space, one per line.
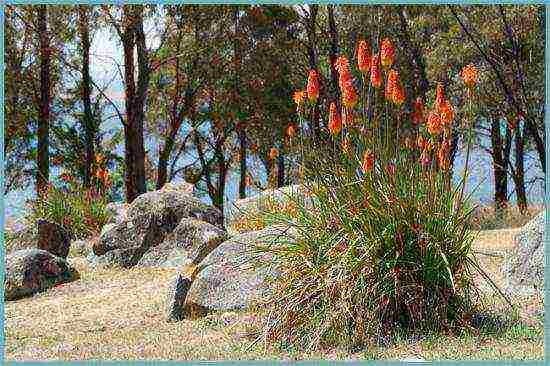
(80,211)
(387,244)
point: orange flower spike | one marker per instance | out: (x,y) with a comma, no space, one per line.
(342,65)
(368,161)
(418,114)
(299,97)
(398,95)
(387,53)
(334,120)
(469,75)
(434,123)
(363,57)
(273,153)
(393,78)
(447,113)
(349,95)
(313,86)
(375,75)
(291,131)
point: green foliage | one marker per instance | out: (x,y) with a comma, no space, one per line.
(82,212)
(386,243)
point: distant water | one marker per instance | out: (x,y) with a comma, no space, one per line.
(480,178)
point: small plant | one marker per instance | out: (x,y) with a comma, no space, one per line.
(386,243)
(81,211)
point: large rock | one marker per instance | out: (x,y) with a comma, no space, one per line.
(190,242)
(24,237)
(53,238)
(116,212)
(524,265)
(30,271)
(150,219)
(173,203)
(236,275)
(267,200)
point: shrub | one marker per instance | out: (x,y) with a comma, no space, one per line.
(81,211)
(386,243)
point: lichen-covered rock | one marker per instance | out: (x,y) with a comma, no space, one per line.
(116,212)
(524,264)
(30,271)
(173,203)
(53,238)
(190,242)
(266,201)
(24,237)
(81,248)
(236,275)
(150,219)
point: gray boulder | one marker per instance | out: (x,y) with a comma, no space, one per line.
(190,242)
(23,238)
(30,271)
(236,275)
(53,238)
(80,248)
(524,265)
(150,219)
(116,212)
(264,201)
(167,204)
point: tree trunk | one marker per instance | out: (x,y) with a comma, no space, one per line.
(88,124)
(133,37)
(280,170)
(242,163)
(312,42)
(240,126)
(43,171)
(519,173)
(499,169)
(333,54)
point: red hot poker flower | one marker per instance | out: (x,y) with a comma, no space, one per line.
(418,113)
(469,75)
(368,161)
(387,53)
(363,56)
(313,86)
(375,76)
(334,120)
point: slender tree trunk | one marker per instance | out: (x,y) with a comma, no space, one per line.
(280,170)
(89,126)
(128,44)
(240,125)
(43,172)
(499,169)
(242,163)
(519,173)
(333,53)
(133,37)
(218,200)
(312,43)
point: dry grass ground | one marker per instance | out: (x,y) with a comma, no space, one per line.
(119,315)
